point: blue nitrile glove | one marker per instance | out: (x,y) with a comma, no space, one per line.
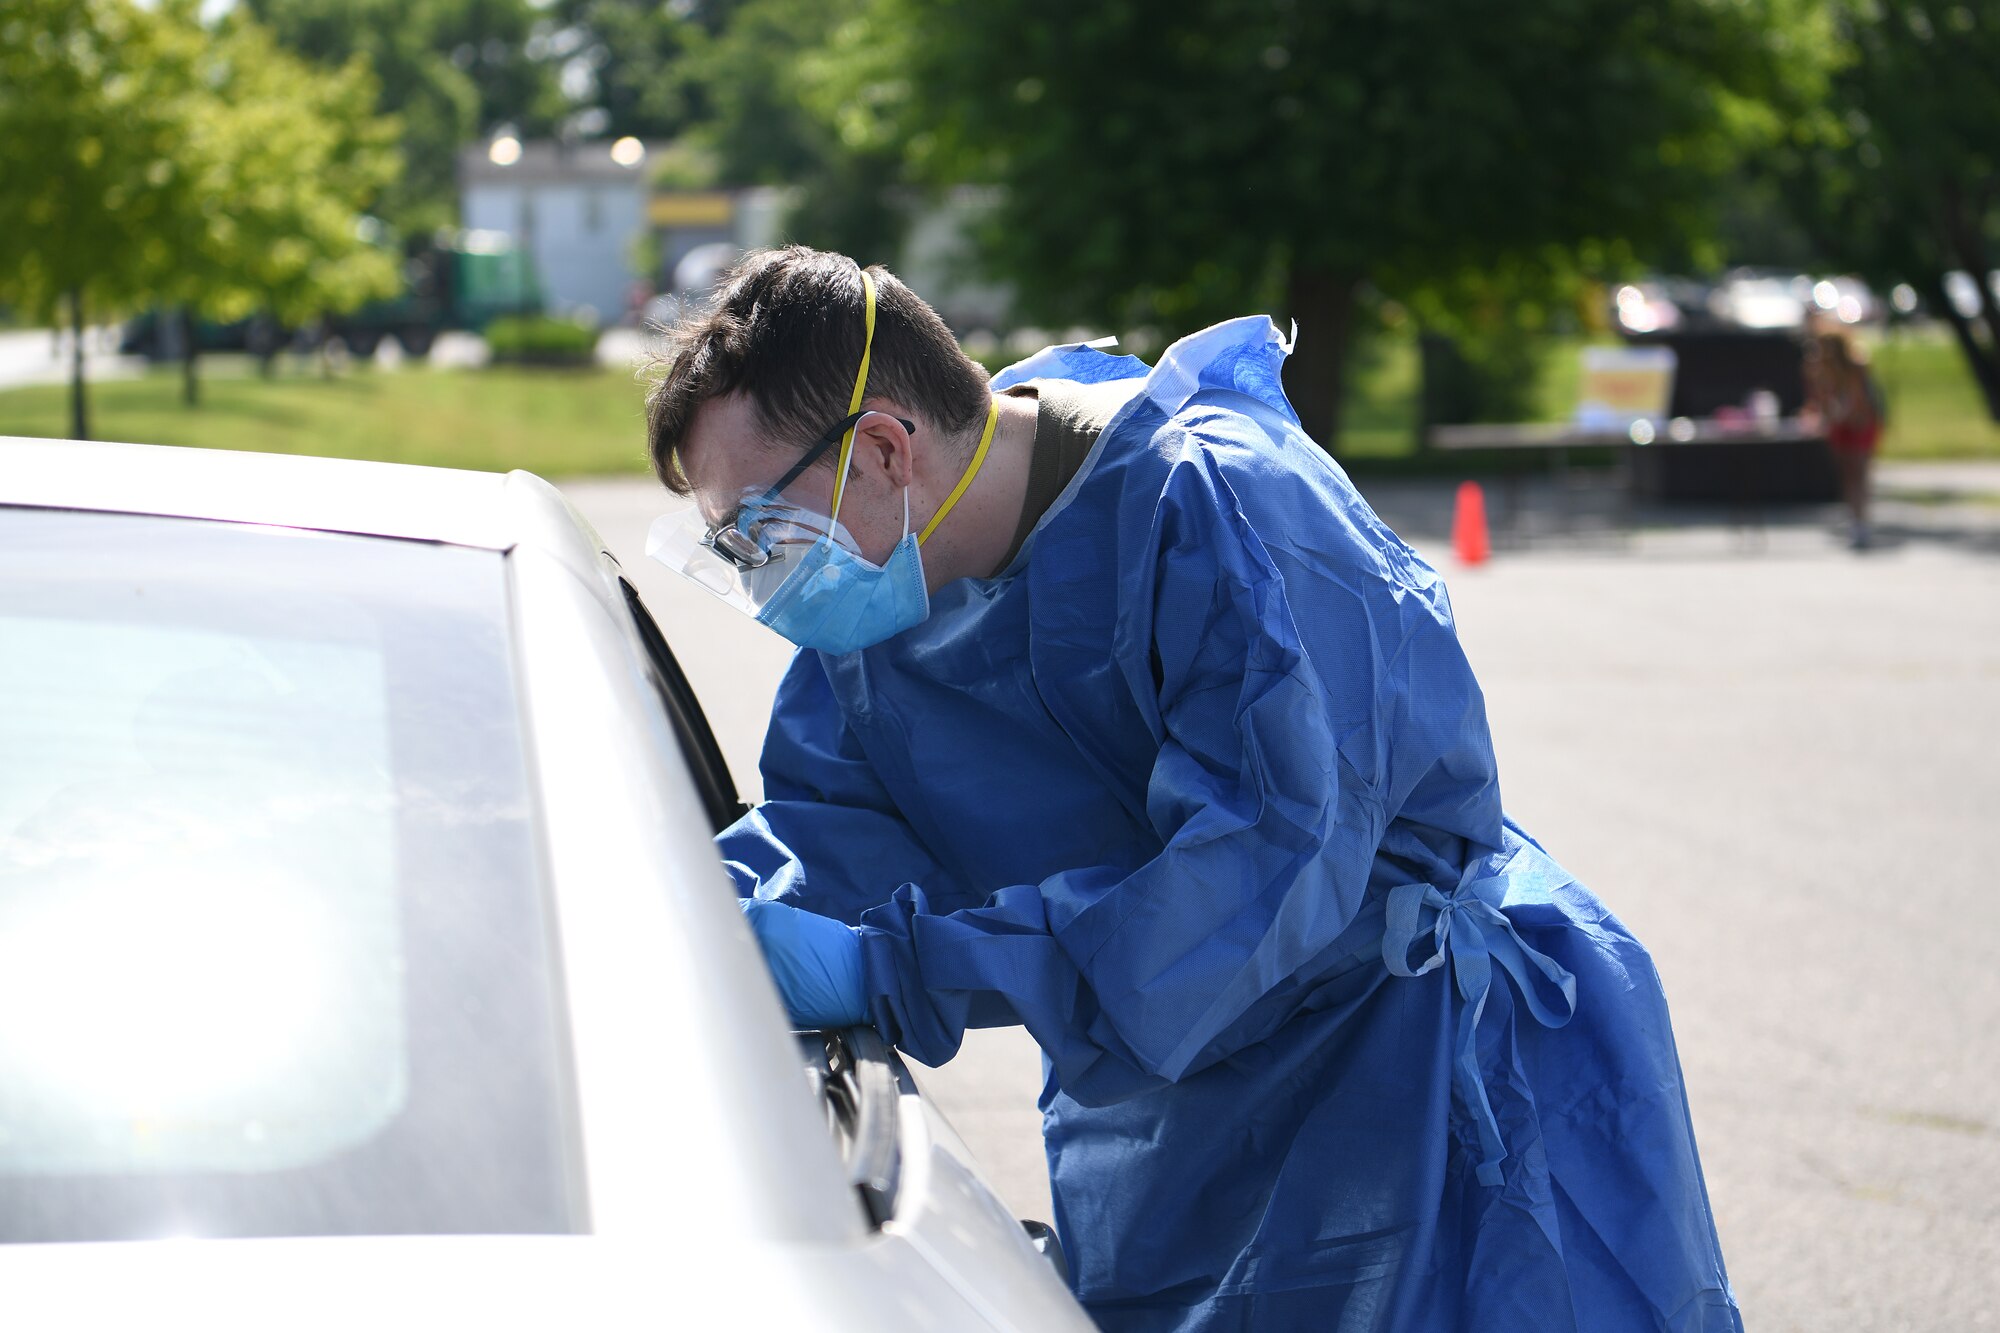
(816,961)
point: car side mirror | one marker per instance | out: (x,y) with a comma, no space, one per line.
(1043,1237)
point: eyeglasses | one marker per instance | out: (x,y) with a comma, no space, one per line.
(748,539)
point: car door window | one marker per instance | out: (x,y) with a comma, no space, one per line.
(697,738)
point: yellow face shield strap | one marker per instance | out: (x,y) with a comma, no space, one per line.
(971,471)
(854,399)
(854,405)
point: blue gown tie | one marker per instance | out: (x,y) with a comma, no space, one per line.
(1470,929)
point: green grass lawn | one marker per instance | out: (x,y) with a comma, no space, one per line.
(1379,418)
(1934,406)
(566,423)
(560,423)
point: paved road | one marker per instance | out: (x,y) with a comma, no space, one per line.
(1777,761)
(42,356)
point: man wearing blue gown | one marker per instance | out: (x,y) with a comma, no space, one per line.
(1119,715)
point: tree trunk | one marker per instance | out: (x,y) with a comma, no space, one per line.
(1970,249)
(1449,387)
(1983,361)
(79,405)
(1322,301)
(264,343)
(190,352)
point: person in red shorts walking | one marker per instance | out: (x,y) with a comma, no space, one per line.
(1847,403)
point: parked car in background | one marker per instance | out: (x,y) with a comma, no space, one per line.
(365,961)
(459,280)
(1744,299)
(1659,304)
(162,335)
(1755,298)
(1847,300)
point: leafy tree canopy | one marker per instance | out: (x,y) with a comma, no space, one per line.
(1174,161)
(775,97)
(630,67)
(448,70)
(97,99)
(1897,177)
(281,153)
(147,159)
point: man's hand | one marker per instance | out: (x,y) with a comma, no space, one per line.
(816,961)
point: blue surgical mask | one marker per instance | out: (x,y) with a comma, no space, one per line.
(837,602)
(827,595)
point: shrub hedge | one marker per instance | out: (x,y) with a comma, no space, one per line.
(539,340)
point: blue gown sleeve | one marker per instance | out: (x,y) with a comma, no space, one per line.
(824,806)
(1132,978)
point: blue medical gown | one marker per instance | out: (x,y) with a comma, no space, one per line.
(1200,791)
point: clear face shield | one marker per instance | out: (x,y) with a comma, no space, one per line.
(762,540)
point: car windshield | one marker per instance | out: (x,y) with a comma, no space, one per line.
(275,956)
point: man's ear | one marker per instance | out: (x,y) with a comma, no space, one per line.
(883,447)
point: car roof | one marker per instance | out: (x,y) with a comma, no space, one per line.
(488,510)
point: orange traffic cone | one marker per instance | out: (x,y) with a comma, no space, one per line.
(1469,538)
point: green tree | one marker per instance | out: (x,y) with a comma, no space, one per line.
(760,122)
(498,45)
(776,113)
(448,70)
(279,155)
(1899,178)
(146,159)
(96,101)
(1169,162)
(633,67)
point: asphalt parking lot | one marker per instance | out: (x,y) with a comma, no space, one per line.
(1777,761)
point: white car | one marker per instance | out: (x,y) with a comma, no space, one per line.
(1762,299)
(365,961)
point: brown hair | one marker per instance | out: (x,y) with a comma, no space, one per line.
(1832,341)
(786,328)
